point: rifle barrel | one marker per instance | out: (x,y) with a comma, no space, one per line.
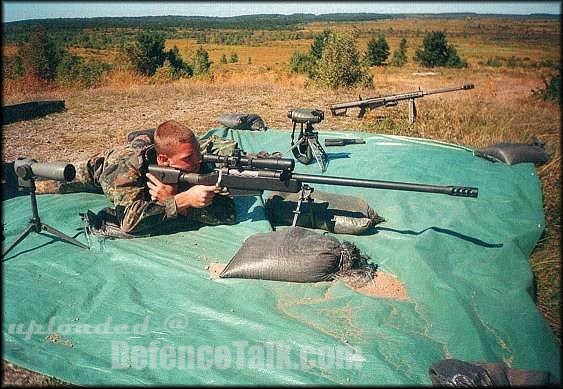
(444,90)
(343,181)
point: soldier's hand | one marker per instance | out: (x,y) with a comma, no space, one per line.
(198,196)
(158,190)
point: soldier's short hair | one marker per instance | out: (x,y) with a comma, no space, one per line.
(171,133)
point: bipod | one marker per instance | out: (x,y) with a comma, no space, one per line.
(35,224)
(307,146)
(304,194)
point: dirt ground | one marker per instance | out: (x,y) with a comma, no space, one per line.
(100,118)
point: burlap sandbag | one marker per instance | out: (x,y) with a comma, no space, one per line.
(296,254)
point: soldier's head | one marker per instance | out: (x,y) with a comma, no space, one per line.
(176,146)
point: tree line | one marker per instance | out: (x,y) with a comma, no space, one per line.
(334,60)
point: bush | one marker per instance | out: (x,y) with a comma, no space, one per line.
(552,89)
(177,65)
(319,42)
(340,63)
(377,51)
(494,62)
(400,55)
(250,60)
(41,55)
(435,51)
(302,63)
(201,62)
(224,58)
(147,53)
(234,57)
(73,70)
(165,73)
(13,68)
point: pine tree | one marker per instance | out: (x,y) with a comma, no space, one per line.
(377,51)
(435,51)
(399,57)
(201,64)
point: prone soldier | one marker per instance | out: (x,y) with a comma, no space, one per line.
(141,202)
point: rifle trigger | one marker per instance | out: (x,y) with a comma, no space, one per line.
(219,178)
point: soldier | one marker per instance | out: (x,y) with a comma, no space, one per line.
(141,202)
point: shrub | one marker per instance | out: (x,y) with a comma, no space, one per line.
(177,65)
(147,53)
(165,73)
(552,89)
(73,70)
(377,51)
(224,58)
(41,55)
(201,62)
(13,68)
(494,62)
(435,51)
(400,55)
(250,60)
(234,57)
(340,63)
(319,42)
(301,63)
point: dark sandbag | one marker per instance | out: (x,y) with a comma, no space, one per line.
(298,255)
(337,213)
(513,153)
(31,110)
(456,373)
(242,121)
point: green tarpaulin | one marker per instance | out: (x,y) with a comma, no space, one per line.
(146,311)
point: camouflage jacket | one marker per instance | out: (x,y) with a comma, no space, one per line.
(120,174)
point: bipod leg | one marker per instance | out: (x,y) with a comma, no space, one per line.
(319,153)
(63,236)
(19,238)
(412,111)
(304,194)
(295,145)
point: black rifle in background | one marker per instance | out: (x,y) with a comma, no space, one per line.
(391,101)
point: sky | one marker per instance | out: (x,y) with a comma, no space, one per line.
(21,10)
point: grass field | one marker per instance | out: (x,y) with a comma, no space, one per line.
(501,108)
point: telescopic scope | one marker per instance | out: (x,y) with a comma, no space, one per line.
(258,163)
(27,168)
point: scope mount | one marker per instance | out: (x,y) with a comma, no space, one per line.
(307,147)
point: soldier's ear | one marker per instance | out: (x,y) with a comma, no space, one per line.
(162,160)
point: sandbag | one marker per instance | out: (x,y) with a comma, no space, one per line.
(298,255)
(513,153)
(242,121)
(457,373)
(336,213)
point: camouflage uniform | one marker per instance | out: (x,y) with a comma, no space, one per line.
(119,173)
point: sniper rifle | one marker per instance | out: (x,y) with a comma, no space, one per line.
(390,101)
(243,175)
